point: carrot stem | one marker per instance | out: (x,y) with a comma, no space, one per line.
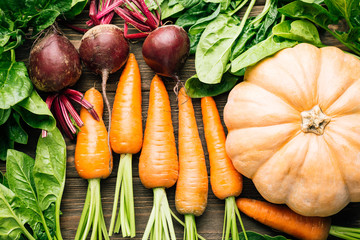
(190,232)
(160,225)
(345,232)
(92,215)
(231,215)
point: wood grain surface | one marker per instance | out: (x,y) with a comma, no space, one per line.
(211,222)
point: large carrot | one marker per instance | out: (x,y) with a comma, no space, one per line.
(192,187)
(158,163)
(126,139)
(226,182)
(93,161)
(282,218)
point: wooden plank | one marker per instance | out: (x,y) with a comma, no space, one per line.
(210,224)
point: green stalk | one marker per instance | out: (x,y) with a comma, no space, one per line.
(92,215)
(57,214)
(190,232)
(241,5)
(124,190)
(346,233)
(160,225)
(230,216)
(45,226)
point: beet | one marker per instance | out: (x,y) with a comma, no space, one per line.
(166,49)
(54,63)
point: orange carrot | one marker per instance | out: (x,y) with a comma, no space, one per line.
(192,187)
(92,156)
(158,163)
(282,218)
(226,182)
(126,139)
(93,161)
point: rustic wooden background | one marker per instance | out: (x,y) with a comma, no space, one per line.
(210,223)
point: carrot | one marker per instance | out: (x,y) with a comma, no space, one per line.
(126,136)
(192,186)
(226,182)
(158,162)
(282,218)
(93,161)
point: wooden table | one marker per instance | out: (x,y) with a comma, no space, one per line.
(210,223)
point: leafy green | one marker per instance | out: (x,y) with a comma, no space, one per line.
(15,84)
(214,48)
(35,190)
(197,89)
(4,115)
(260,51)
(298,30)
(35,112)
(170,10)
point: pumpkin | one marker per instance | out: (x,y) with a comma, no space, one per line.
(294,128)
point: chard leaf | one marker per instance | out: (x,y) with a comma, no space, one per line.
(214,48)
(264,49)
(35,112)
(197,89)
(49,169)
(19,173)
(15,84)
(13,215)
(298,30)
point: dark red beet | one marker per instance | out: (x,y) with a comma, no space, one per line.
(166,49)
(54,63)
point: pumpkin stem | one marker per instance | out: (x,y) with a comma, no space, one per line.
(314,121)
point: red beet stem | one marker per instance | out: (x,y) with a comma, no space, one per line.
(61,120)
(109,9)
(71,110)
(66,117)
(130,20)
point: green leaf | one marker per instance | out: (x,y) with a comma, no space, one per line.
(12,215)
(19,173)
(197,89)
(347,9)
(49,169)
(5,142)
(201,24)
(15,84)
(264,49)
(4,115)
(15,132)
(77,6)
(169,11)
(152,4)
(35,112)
(188,3)
(45,19)
(214,48)
(312,12)
(298,30)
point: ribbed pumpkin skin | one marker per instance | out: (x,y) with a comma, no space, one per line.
(315,175)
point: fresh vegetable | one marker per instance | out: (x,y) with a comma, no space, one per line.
(93,161)
(126,137)
(31,193)
(282,218)
(166,49)
(192,187)
(226,182)
(292,128)
(158,162)
(16,90)
(54,64)
(104,50)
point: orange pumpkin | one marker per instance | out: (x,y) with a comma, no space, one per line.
(294,128)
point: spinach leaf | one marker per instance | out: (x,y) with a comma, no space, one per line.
(15,84)
(19,173)
(15,131)
(77,7)
(35,112)
(13,215)
(4,115)
(200,25)
(188,3)
(258,52)
(169,11)
(49,169)
(195,13)
(197,89)
(298,30)
(347,9)
(5,142)
(214,48)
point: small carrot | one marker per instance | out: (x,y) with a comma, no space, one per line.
(226,182)
(158,162)
(93,161)
(282,218)
(192,187)
(126,137)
